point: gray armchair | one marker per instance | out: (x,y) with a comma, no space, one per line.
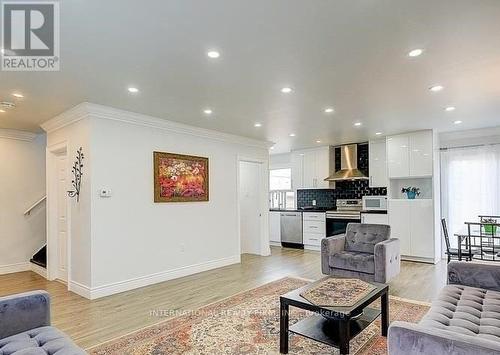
(365,251)
(25,327)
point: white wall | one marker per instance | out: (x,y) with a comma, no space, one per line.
(470,137)
(22,183)
(128,241)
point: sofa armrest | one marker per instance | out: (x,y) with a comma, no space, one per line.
(330,246)
(485,276)
(414,339)
(387,260)
(24,311)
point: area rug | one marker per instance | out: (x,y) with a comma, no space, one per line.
(247,323)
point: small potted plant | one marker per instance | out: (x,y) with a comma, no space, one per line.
(489,228)
(411,192)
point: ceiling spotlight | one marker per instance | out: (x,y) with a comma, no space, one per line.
(207,111)
(450,108)
(436,88)
(378,133)
(357,124)
(329,110)
(292,134)
(286,90)
(18,95)
(272,147)
(318,141)
(213,54)
(415,52)
(257,124)
(133,90)
(457,122)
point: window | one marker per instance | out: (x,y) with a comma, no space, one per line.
(280,185)
(280,179)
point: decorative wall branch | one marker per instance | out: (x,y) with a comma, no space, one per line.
(77,172)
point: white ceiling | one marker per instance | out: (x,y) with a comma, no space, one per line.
(351,55)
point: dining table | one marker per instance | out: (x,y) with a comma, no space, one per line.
(486,245)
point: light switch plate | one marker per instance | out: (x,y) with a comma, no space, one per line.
(105,193)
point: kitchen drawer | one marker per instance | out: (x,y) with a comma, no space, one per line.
(314,216)
(315,227)
(312,239)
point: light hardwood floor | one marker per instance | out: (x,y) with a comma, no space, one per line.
(92,322)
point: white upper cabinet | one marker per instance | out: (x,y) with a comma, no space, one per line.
(421,153)
(310,167)
(377,164)
(398,164)
(410,155)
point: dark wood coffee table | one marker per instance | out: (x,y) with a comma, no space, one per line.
(334,326)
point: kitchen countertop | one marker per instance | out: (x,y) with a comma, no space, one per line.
(318,209)
(374,211)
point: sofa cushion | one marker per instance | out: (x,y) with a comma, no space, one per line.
(39,341)
(353,261)
(363,237)
(466,310)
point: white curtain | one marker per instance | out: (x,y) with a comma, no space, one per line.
(470,185)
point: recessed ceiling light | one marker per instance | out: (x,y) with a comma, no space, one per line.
(286,90)
(272,147)
(329,110)
(292,134)
(207,111)
(213,54)
(436,88)
(133,90)
(257,124)
(415,52)
(18,95)
(357,124)
(378,133)
(450,108)
(318,141)
(457,122)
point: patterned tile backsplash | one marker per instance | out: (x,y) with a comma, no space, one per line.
(343,190)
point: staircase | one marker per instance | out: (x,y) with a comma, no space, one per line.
(40,257)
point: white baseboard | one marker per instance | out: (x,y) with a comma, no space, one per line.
(127,285)
(417,259)
(11,268)
(80,289)
(39,270)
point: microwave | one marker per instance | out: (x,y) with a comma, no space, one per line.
(375,203)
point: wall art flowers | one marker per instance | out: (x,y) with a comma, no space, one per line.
(180,178)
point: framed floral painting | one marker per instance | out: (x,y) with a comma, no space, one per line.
(180,178)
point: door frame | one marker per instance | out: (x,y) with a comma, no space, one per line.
(265,248)
(52,153)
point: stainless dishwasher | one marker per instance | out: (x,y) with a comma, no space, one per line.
(291,228)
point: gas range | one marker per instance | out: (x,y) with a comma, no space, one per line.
(346,209)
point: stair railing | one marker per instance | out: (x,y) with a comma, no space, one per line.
(28,211)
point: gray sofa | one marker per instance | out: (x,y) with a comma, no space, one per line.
(365,251)
(465,318)
(25,327)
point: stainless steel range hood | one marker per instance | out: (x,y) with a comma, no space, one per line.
(348,165)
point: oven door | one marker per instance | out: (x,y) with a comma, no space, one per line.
(338,225)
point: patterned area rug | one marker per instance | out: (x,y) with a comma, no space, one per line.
(247,323)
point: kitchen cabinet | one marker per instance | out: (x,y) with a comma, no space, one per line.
(310,167)
(377,162)
(314,229)
(274,227)
(412,222)
(410,155)
(374,218)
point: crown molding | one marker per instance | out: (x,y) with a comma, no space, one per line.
(17,135)
(87,109)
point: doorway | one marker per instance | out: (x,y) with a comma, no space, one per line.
(58,221)
(253,213)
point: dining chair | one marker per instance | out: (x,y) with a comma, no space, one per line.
(453,252)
